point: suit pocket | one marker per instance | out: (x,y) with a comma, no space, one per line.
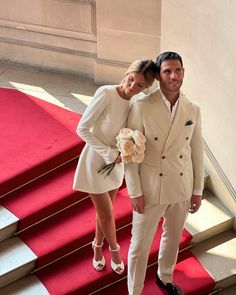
(148,176)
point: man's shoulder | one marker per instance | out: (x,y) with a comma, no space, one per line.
(148,98)
(189,102)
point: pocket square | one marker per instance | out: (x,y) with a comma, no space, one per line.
(189,122)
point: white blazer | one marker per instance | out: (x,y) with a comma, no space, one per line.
(173,165)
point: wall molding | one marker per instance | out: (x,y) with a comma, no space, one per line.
(114,63)
(48,47)
(19,26)
(80,1)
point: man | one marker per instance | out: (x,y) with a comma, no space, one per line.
(169,182)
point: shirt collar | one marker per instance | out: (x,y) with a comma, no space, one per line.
(166,101)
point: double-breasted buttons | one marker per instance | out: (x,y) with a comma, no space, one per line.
(163,157)
(161,174)
(181,173)
(187,138)
(155,138)
(181,156)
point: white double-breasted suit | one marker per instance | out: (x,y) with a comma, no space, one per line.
(170,173)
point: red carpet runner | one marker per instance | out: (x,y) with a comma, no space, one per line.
(38,137)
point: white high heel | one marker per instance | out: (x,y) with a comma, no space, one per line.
(100,264)
(120,267)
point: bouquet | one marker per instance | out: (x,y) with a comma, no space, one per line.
(131,147)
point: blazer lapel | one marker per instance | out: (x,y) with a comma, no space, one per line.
(160,114)
(181,116)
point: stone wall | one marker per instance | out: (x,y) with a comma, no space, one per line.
(94,39)
(204,34)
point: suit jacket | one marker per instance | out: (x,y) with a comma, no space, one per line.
(173,165)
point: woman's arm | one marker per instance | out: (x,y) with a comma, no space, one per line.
(93,111)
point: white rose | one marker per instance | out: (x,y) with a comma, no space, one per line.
(125,133)
(138,137)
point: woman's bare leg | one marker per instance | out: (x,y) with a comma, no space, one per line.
(105,223)
(114,254)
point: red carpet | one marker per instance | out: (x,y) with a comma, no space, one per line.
(43,197)
(189,275)
(70,229)
(36,136)
(82,260)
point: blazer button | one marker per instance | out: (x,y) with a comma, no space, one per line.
(161,174)
(187,138)
(181,156)
(163,157)
(156,138)
(181,174)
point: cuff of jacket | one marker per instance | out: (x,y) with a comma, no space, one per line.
(197,192)
(112,154)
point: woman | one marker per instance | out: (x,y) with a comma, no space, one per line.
(100,124)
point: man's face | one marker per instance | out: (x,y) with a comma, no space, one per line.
(171,75)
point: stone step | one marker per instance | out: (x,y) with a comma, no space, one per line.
(74,237)
(35,192)
(44,197)
(16,260)
(8,223)
(231,290)
(217,255)
(29,285)
(211,219)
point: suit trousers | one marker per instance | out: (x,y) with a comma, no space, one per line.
(144,227)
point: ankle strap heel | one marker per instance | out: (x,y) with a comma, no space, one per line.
(115,250)
(94,245)
(120,267)
(100,264)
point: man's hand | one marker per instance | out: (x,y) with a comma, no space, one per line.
(138,204)
(195,203)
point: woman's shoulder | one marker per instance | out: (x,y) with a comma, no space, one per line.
(106,89)
(103,93)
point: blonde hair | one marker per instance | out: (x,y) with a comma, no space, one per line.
(144,66)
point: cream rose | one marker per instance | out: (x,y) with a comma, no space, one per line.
(137,158)
(139,149)
(138,137)
(127,147)
(126,159)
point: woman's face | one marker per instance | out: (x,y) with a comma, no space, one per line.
(134,83)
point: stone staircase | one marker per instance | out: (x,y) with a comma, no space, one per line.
(23,270)
(213,241)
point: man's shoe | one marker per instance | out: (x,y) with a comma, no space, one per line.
(172,289)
